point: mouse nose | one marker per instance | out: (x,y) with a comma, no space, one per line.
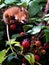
(24,21)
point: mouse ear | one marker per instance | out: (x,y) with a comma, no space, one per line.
(6,18)
(22,8)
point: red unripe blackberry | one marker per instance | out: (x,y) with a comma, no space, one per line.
(23,60)
(37,57)
(13,26)
(22,34)
(43,51)
(26,44)
(38,43)
(46,46)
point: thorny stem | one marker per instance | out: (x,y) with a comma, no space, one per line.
(8,37)
(45,11)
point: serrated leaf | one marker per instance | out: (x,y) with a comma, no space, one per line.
(30,58)
(47,35)
(35,30)
(33,8)
(2,55)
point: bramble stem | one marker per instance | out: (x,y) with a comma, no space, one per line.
(8,37)
(46,9)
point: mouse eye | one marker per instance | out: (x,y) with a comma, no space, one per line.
(12,17)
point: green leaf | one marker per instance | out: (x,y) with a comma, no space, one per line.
(15,36)
(24,4)
(46,15)
(2,5)
(12,59)
(18,45)
(15,42)
(35,30)
(27,1)
(26,27)
(39,20)
(33,8)
(38,1)
(11,56)
(11,1)
(32,19)
(29,31)
(47,35)
(2,55)
(12,41)
(46,19)
(47,27)
(30,58)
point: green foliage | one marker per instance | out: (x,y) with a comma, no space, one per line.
(26,27)
(27,1)
(12,41)
(47,35)
(2,5)
(8,60)
(11,1)
(32,28)
(2,55)
(34,8)
(30,58)
(35,30)
(15,36)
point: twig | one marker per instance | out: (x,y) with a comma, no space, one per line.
(8,37)
(37,63)
(45,11)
